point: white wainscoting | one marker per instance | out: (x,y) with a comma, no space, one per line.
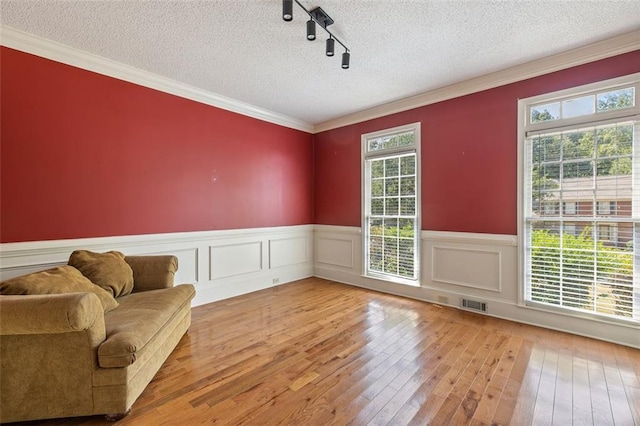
(228,263)
(228,259)
(483,265)
(289,251)
(336,247)
(457,265)
(221,264)
(446,267)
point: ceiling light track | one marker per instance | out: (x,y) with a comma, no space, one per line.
(319,17)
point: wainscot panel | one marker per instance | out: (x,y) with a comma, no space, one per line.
(338,248)
(470,268)
(187,262)
(456,266)
(221,264)
(289,251)
(230,259)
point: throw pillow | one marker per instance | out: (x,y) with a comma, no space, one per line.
(62,279)
(108,270)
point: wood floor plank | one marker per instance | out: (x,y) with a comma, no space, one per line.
(543,409)
(414,394)
(471,368)
(410,380)
(467,409)
(563,398)
(633,397)
(581,394)
(600,404)
(617,396)
(528,394)
(315,352)
(490,400)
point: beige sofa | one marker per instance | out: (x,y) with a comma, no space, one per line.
(77,353)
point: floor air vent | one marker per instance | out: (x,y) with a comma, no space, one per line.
(474,305)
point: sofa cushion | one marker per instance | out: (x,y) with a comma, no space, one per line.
(108,270)
(62,279)
(152,272)
(138,320)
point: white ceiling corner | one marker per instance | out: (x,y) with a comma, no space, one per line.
(240,55)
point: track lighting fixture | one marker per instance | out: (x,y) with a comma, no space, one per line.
(311,30)
(287,10)
(331,44)
(345,60)
(317,16)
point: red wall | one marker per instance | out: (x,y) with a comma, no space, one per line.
(85,155)
(469,154)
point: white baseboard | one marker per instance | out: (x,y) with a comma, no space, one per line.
(455,265)
(221,264)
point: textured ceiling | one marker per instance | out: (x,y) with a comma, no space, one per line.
(242,49)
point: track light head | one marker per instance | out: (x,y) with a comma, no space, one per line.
(311,30)
(331,44)
(346,56)
(287,10)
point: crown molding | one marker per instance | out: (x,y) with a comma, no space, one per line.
(29,43)
(581,55)
(49,49)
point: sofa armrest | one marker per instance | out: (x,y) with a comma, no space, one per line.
(152,272)
(48,355)
(50,314)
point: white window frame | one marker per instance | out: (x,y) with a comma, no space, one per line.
(525,127)
(365,206)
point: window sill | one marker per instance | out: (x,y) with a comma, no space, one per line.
(634,324)
(394,280)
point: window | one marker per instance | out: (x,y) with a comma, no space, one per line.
(584,105)
(570,228)
(550,208)
(606,207)
(569,207)
(581,150)
(607,233)
(391,203)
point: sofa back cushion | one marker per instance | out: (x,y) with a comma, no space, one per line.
(152,272)
(108,270)
(61,279)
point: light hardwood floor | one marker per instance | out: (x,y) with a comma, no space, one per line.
(316,352)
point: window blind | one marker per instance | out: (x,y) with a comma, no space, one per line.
(391,219)
(582,207)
